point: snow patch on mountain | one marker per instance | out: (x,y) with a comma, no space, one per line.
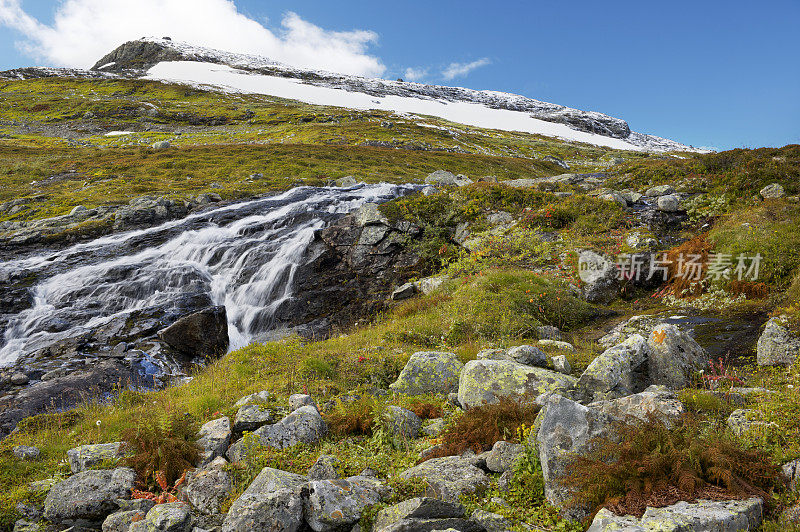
(229,79)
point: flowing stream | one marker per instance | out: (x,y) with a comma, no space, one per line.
(243,256)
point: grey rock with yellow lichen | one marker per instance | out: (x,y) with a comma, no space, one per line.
(744,420)
(122,521)
(332,505)
(489,381)
(84,457)
(778,346)
(503,456)
(272,502)
(402,422)
(207,489)
(214,438)
(618,371)
(423,514)
(673,357)
(304,425)
(449,477)
(429,372)
(702,516)
(522,354)
(88,496)
(171,517)
(565,428)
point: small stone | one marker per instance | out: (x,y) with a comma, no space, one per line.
(773,191)
(346,182)
(561,364)
(79,209)
(324,468)
(161,145)
(660,190)
(554,344)
(504,456)
(433,427)
(299,400)
(404,292)
(171,517)
(25,453)
(251,417)
(19,379)
(548,332)
(669,203)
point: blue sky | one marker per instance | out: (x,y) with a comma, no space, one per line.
(707,73)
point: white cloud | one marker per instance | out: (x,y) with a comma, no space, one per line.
(459,70)
(416,74)
(85,30)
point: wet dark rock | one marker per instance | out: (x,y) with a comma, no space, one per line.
(202,334)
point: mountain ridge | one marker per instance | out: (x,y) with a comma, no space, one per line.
(140,58)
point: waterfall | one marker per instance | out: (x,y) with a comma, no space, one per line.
(243,256)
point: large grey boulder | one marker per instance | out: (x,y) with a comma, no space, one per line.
(643,325)
(423,514)
(449,477)
(201,334)
(214,438)
(522,354)
(258,398)
(171,517)
(565,429)
(336,504)
(618,371)
(489,381)
(89,496)
(304,425)
(207,489)
(272,502)
(673,356)
(599,276)
(660,190)
(401,422)
(251,417)
(702,516)
(777,346)
(429,372)
(86,456)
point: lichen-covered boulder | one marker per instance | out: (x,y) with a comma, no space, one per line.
(618,371)
(171,517)
(773,191)
(561,364)
(449,477)
(702,516)
(86,456)
(429,372)
(325,468)
(261,397)
(599,276)
(673,356)
(489,381)
(565,428)
(207,489)
(643,325)
(777,346)
(668,203)
(522,354)
(272,502)
(298,400)
(423,514)
(26,453)
(214,438)
(401,422)
(251,417)
(88,496)
(122,521)
(791,471)
(304,425)
(336,504)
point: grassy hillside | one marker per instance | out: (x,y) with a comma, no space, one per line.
(54,152)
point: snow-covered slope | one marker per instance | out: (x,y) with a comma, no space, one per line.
(166,60)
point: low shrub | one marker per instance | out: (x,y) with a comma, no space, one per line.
(479,428)
(355,418)
(653,464)
(161,452)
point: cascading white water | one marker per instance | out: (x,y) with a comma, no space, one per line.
(242,256)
